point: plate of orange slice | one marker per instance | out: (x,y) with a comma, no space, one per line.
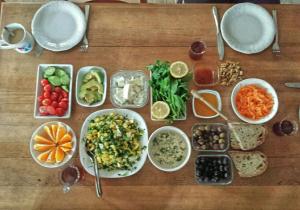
(53,144)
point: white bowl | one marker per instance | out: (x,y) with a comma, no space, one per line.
(82,71)
(263,84)
(186,139)
(41,68)
(85,159)
(217,94)
(68,156)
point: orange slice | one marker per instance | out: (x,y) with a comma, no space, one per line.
(59,155)
(66,149)
(51,157)
(54,130)
(61,131)
(42,140)
(48,131)
(66,138)
(43,156)
(42,147)
(67,145)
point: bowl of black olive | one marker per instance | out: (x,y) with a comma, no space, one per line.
(210,137)
(212,169)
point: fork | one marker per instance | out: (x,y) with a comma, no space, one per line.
(275,47)
(85,43)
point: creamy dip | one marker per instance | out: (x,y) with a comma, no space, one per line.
(168,149)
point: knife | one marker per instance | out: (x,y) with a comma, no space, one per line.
(292,84)
(220,42)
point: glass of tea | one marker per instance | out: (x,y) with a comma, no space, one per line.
(197,49)
(285,127)
(205,75)
(70,175)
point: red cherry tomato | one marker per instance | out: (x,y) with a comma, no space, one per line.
(63,105)
(58,89)
(60,98)
(46,102)
(40,99)
(54,96)
(44,82)
(54,104)
(47,88)
(43,110)
(65,100)
(59,111)
(64,94)
(51,110)
(47,95)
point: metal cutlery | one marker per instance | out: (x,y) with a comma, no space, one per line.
(275,47)
(9,31)
(292,84)
(97,175)
(220,43)
(85,43)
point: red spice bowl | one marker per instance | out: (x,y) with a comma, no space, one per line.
(205,76)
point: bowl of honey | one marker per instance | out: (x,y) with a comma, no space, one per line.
(201,110)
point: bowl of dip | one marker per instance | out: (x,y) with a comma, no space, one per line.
(169,148)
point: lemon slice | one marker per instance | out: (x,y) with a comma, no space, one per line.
(160,110)
(179,69)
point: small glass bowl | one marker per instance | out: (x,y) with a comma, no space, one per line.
(126,74)
(203,67)
(223,182)
(224,127)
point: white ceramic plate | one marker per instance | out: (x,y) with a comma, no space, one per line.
(217,94)
(263,84)
(58,25)
(248,28)
(84,70)
(68,156)
(186,139)
(40,72)
(85,159)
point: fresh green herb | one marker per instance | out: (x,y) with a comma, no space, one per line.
(165,88)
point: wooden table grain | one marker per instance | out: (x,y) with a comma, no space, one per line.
(131,37)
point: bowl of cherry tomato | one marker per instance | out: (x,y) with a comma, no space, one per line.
(53,91)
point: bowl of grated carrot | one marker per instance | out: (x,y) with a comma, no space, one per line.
(254,101)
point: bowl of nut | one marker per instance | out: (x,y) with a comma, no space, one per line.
(210,137)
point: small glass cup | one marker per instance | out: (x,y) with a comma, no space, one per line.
(70,175)
(285,127)
(205,75)
(197,49)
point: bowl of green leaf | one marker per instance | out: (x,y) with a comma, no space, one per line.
(173,91)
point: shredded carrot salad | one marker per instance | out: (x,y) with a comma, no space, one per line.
(254,102)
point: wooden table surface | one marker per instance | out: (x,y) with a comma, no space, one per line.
(131,37)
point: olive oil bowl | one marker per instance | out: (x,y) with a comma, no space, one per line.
(169,149)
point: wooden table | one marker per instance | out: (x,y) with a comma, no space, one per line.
(131,37)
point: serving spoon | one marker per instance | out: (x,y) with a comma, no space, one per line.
(97,175)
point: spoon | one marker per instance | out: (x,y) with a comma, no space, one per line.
(9,31)
(97,176)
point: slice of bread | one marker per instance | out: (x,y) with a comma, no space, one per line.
(249,164)
(251,136)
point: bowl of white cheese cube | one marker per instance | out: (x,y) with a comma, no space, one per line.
(129,89)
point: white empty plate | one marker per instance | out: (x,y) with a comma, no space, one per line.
(248,28)
(58,25)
